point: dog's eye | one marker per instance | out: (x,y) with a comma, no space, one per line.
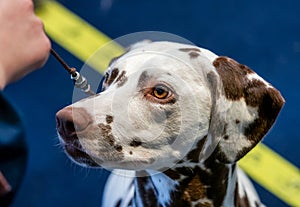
(160,92)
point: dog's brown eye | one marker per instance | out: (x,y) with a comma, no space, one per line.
(160,92)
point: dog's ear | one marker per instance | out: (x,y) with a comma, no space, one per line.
(244,107)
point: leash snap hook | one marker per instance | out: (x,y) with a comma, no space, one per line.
(79,80)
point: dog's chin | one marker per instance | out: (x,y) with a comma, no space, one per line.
(80,157)
(83,159)
(135,165)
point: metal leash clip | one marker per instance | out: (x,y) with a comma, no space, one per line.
(79,80)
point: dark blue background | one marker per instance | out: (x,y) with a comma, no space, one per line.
(264,35)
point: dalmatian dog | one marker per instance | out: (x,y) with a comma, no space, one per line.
(171,121)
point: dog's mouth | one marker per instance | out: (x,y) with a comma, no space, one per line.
(76,153)
(68,132)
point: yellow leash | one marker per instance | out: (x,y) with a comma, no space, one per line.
(274,173)
(262,164)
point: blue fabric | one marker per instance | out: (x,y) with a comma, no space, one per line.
(13,151)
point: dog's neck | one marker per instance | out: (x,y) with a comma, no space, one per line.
(186,186)
(189,183)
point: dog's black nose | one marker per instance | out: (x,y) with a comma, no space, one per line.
(71,120)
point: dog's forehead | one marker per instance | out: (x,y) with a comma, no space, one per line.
(181,51)
(165,56)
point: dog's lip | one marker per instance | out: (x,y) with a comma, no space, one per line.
(75,151)
(71,147)
(70,141)
(79,155)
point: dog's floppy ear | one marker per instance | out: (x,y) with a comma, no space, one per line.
(244,107)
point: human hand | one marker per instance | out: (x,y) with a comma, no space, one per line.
(24,46)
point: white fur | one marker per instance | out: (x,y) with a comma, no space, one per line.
(254,76)
(119,186)
(245,185)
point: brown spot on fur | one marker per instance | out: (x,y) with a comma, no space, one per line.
(147,190)
(237,121)
(173,174)
(113,75)
(193,156)
(193,52)
(269,102)
(111,140)
(233,77)
(240,201)
(193,55)
(189,50)
(105,131)
(195,190)
(119,148)
(135,143)
(109,119)
(122,79)
(104,128)
(186,171)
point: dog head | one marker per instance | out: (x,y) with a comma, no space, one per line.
(160,99)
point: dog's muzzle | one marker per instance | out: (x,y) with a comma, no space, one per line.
(70,123)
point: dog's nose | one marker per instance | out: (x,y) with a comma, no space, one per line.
(71,120)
